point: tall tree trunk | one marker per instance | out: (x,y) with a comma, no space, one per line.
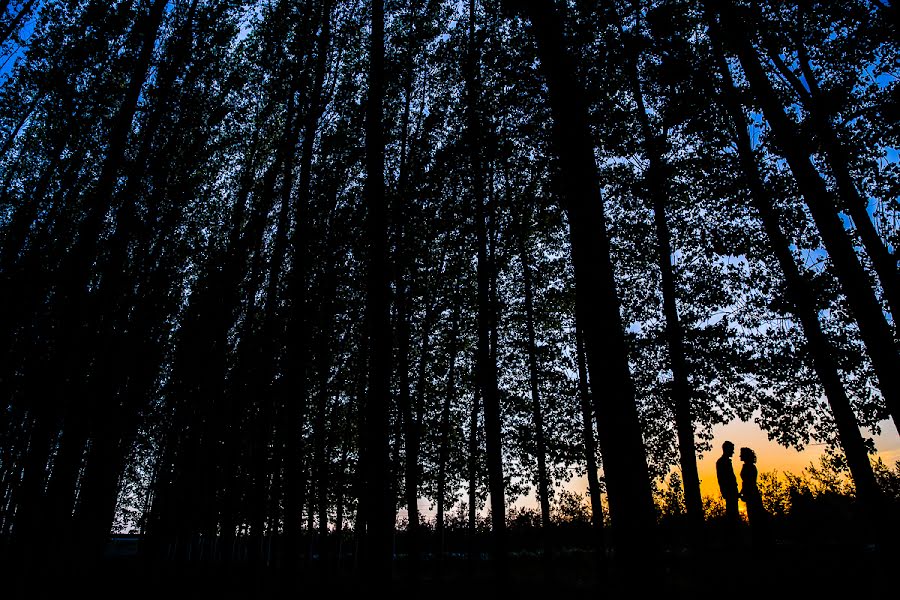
(340,487)
(486,366)
(26,115)
(74,272)
(656,180)
(321,428)
(838,159)
(377,499)
(121,323)
(590,443)
(444,450)
(262,351)
(537,412)
(597,304)
(800,294)
(473,461)
(855,282)
(294,387)
(404,403)
(403,265)
(414,430)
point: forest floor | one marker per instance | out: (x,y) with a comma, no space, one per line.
(783,570)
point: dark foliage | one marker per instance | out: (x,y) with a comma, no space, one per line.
(321,290)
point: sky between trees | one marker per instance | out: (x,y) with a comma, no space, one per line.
(274,267)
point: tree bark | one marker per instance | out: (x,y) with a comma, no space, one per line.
(801,296)
(590,443)
(486,366)
(296,358)
(377,499)
(403,266)
(838,159)
(656,180)
(597,303)
(534,385)
(855,282)
(444,451)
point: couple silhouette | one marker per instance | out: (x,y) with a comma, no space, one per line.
(749,491)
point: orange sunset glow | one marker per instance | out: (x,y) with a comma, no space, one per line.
(433,298)
(773,457)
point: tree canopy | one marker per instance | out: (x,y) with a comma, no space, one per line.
(273,270)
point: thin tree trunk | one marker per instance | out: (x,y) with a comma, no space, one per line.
(266,358)
(590,443)
(656,180)
(444,451)
(377,499)
(534,384)
(26,114)
(414,435)
(597,303)
(473,474)
(838,159)
(801,296)
(404,397)
(410,435)
(297,354)
(486,367)
(855,282)
(339,503)
(326,329)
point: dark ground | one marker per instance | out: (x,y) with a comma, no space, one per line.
(784,570)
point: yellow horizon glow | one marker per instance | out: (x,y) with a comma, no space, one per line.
(770,456)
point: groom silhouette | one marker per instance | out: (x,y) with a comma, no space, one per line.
(728,485)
